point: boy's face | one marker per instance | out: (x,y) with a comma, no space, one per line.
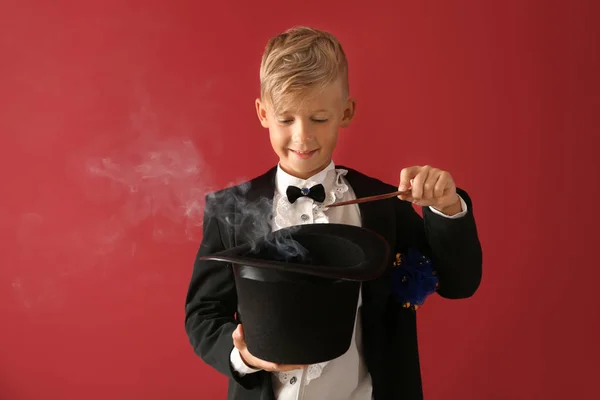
(305,134)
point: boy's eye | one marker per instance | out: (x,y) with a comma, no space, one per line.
(289,121)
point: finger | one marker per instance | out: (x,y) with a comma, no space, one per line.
(273,367)
(289,367)
(407,192)
(406,196)
(419,182)
(267,366)
(406,175)
(429,184)
(254,362)
(443,184)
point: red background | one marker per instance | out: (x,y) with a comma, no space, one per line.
(116,117)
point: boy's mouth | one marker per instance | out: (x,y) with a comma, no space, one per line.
(304,154)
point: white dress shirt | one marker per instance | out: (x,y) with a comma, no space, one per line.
(346,377)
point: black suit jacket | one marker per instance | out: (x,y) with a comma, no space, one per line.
(389,330)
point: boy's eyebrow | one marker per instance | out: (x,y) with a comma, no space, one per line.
(284,112)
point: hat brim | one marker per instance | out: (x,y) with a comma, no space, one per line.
(334,251)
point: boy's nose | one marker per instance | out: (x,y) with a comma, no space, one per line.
(302,134)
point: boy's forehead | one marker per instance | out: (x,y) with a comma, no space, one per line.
(315,100)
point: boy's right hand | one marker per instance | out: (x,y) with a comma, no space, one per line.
(240,343)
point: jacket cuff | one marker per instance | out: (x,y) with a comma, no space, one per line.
(463,212)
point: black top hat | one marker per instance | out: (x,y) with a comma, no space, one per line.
(298,289)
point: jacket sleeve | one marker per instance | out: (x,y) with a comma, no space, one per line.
(211,304)
(452,244)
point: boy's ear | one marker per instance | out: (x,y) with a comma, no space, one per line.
(261,111)
(349,110)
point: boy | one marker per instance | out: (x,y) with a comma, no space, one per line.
(304,100)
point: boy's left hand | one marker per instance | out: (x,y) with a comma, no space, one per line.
(430,187)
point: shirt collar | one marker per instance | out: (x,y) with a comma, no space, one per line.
(325,177)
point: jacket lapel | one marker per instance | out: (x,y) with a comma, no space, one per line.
(262,186)
(376,215)
(256,208)
(379,217)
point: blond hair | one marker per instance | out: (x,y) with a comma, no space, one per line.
(299,60)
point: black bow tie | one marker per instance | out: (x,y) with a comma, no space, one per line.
(317,193)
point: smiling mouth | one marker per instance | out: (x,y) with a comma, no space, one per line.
(304,154)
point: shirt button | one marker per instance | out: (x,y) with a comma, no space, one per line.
(304,217)
(293,380)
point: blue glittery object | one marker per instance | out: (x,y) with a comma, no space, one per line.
(414,279)
(305,191)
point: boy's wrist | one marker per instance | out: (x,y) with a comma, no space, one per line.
(452,209)
(239,364)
